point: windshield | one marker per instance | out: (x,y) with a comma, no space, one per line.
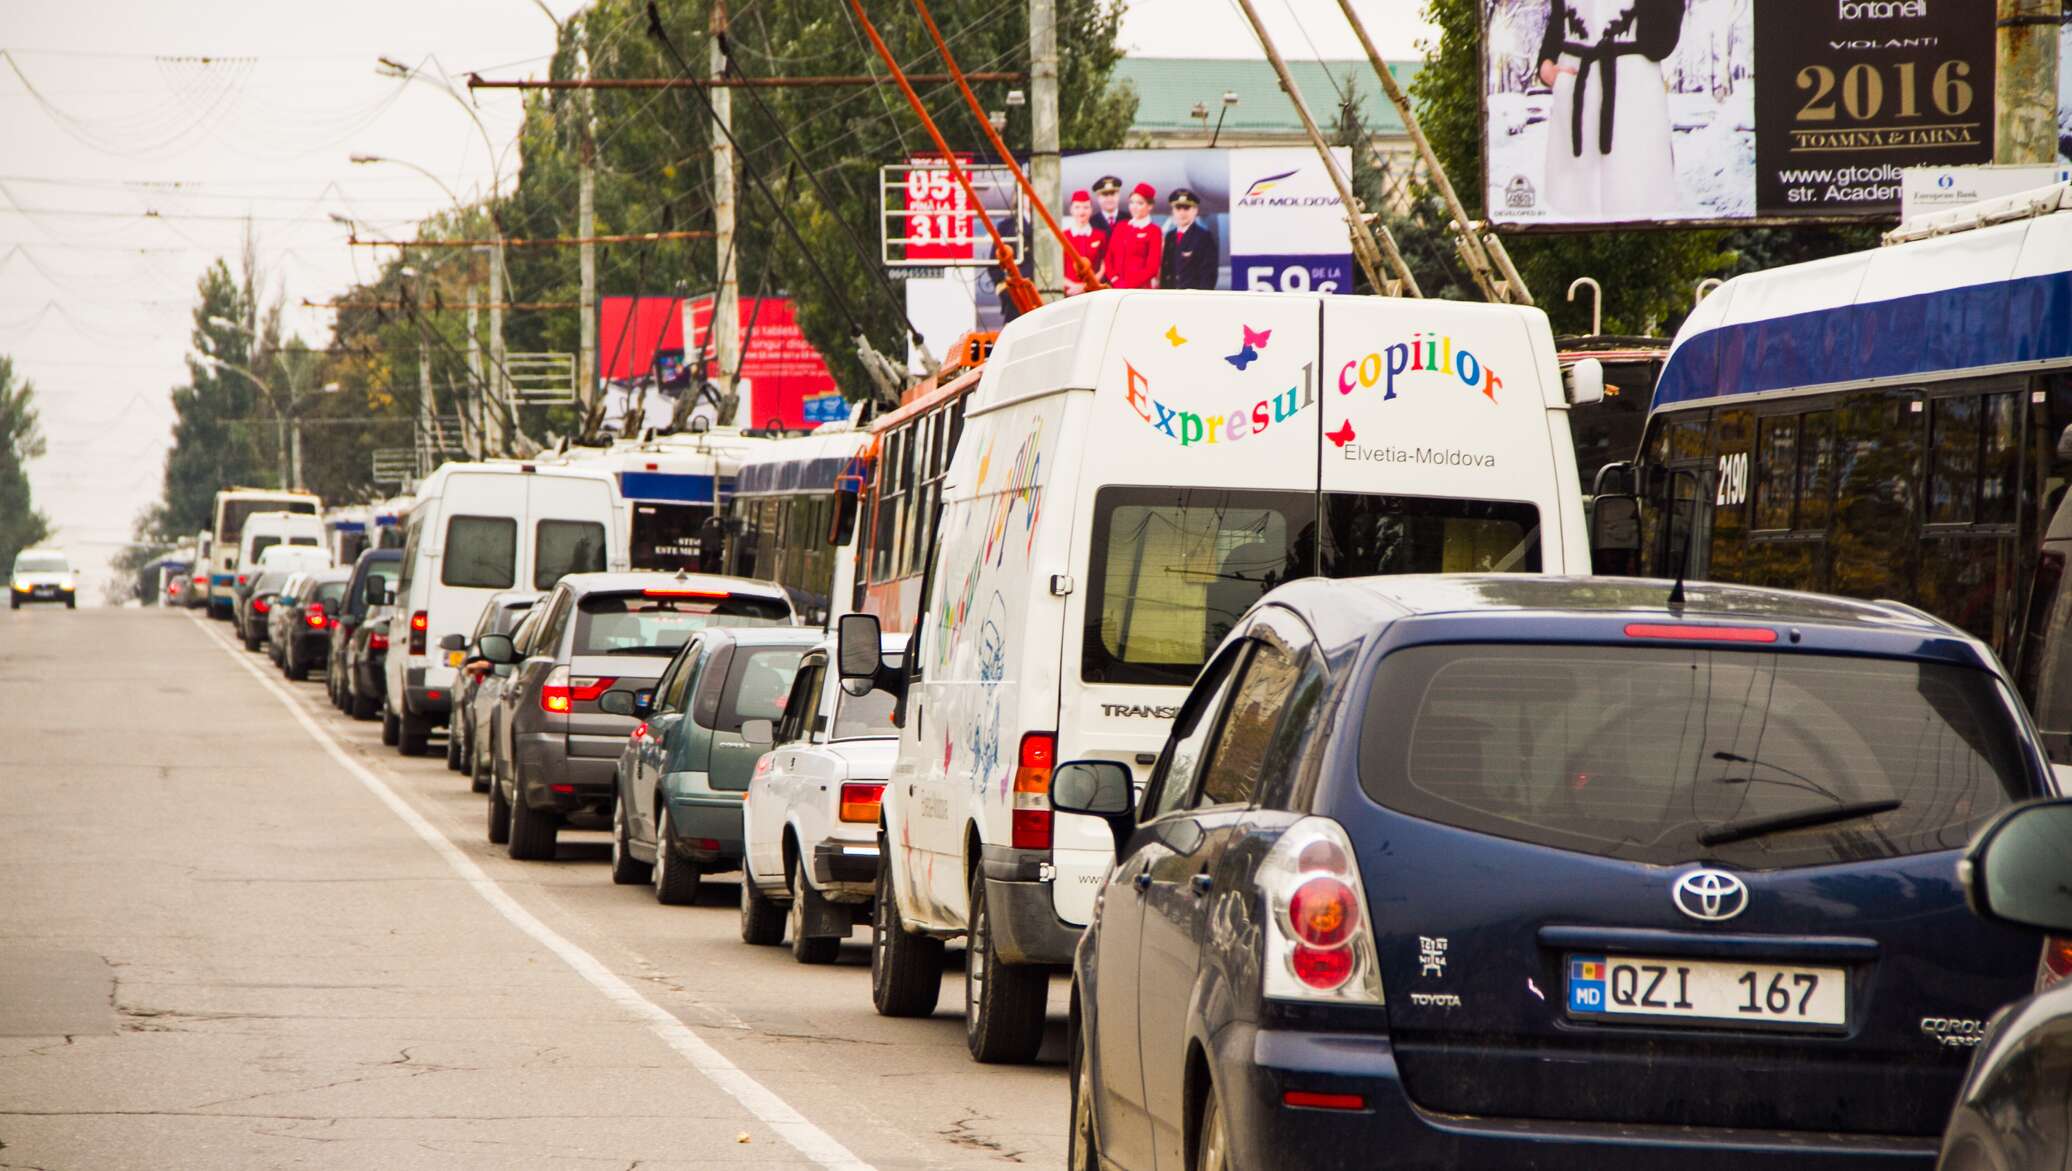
(28,564)
(1175,568)
(622,624)
(1665,756)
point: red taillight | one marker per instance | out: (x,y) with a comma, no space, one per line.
(1318,944)
(243,580)
(315,617)
(668,593)
(1312,1100)
(331,623)
(261,605)
(861,799)
(377,642)
(640,731)
(1678,633)
(561,692)
(201,579)
(1323,912)
(420,622)
(2057,961)
(1031,827)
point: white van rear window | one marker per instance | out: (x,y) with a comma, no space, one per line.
(481,552)
(562,547)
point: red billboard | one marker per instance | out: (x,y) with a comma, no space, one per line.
(781,367)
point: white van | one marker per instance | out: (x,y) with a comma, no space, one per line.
(477,529)
(1135,469)
(265,530)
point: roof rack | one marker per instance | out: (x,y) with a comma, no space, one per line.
(2023,205)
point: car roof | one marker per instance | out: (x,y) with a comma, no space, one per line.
(1347,609)
(334,574)
(628,580)
(382,554)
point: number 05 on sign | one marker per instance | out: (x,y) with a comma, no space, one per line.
(1670,990)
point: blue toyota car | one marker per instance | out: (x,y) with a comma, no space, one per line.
(1527,872)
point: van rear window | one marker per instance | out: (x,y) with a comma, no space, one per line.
(562,547)
(262,544)
(481,552)
(1671,755)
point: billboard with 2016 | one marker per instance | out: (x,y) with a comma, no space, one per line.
(1693,111)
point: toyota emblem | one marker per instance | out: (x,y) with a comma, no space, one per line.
(1710,895)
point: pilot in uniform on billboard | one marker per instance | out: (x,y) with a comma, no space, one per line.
(1608,141)
(1137,245)
(1190,248)
(1107,195)
(1087,240)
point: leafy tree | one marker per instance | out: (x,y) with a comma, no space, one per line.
(214,445)
(21,440)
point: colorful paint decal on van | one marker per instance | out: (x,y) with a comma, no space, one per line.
(1190,428)
(1422,354)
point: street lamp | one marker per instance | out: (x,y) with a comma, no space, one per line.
(1229,100)
(287,420)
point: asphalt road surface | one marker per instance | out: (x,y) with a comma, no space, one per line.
(237,932)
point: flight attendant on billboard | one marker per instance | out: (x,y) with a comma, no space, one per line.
(1608,144)
(1107,197)
(1086,240)
(1137,246)
(1190,248)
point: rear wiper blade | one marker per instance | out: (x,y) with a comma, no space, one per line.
(1755,827)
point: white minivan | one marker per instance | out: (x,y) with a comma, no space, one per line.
(477,529)
(1135,469)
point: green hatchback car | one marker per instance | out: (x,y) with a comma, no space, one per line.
(686,768)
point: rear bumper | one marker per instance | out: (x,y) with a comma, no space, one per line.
(433,702)
(708,829)
(845,868)
(1255,1067)
(1026,929)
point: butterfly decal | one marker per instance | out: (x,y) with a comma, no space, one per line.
(1172,334)
(1343,435)
(1242,358)
(1256,338)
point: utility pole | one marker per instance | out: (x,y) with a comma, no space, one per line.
(1481,252)
(1043,137)
(475,373)
(586,227)
(424,401)
(499,390)
(725,329)
(1372,253)
(2025,81)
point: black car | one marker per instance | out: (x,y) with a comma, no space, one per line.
(501,614)
(1548,872)
(353,671)
(305,621)
(253,605)
(2012,1113)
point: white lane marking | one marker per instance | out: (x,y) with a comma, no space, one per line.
(758,1099)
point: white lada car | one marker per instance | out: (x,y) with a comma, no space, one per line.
(810,820)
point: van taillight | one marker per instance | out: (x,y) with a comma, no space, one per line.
(420,622)
(861,800)
(376,641)
(2057,961)
(1319,940)
(1032,791)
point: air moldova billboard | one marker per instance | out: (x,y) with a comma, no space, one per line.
(641,339)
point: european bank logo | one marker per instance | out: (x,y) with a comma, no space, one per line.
(1262,186)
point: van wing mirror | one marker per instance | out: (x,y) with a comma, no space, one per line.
(859,652)
(1614,524)
(1584,380)
(1097,788)
(388,592)
(2019,868)
(497,648)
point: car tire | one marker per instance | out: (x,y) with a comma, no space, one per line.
(463,734)
(807,949)
(1003,1003)
(293,667)
(391,728)
(535,833)
(676,879)
(413,735)
(251,644)
(480,765)
(71,603)
(762,920)
(453,745)
(1084,1154)
(360,708)
(626,869)
(1212,1135)
(499,814)
(906,970)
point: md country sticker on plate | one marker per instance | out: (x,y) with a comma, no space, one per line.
(1669,990)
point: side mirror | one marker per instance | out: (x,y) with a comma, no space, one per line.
(2017,869)
(497,648)
(1614,524)
(1096,788)
(1585,382)
(758,731)
(617,702)
(860,651)
(454,642)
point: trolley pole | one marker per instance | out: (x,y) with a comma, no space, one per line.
(2025,81)
(726,302)
(586,227)
(1043,137)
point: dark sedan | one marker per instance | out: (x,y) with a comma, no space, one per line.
(1545,872)
(249,612)
(359,644)
(299,628)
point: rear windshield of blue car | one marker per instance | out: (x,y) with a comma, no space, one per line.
(635,624)
(1657,755)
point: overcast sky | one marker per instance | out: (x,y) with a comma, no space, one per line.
(137,137)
